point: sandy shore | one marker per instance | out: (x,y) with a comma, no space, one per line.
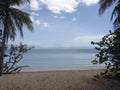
(57,80)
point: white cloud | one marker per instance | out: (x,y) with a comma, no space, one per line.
(88,37)
(34,14)
(89,2)
(38,22)
(45,24)
(59,17)
(35,21)
(73,19)
(34,5)
(85,40)
(58,6)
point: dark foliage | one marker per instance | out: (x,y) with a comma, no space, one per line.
(13,57)
(109,54)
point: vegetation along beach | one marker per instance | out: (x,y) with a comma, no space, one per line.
(72,45)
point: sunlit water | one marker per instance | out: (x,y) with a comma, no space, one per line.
(59,59)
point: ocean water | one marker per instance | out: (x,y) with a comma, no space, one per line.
(59,59)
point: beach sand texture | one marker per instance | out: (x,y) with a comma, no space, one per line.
(57,80)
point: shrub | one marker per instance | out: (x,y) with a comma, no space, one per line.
(109,54)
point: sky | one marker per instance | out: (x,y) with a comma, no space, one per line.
(65,23)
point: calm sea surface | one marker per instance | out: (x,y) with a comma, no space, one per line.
(59,59)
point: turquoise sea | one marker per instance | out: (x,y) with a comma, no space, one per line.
(59,59)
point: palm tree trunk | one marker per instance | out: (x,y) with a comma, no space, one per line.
(2,52)
(3,44)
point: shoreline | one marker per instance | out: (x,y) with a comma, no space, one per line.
(30,69)
(57,80)
(60,70)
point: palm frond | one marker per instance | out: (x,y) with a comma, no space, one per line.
(18,2)
(4,4)
(21,19)
(116,11)
(16,19)
(11,29)
(104,4)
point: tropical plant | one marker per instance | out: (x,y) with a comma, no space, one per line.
(108,48)
(104,4)
(12,19)
(14,54)
(109,54)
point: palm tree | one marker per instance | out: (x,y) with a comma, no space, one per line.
(12,19)
(104,4)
